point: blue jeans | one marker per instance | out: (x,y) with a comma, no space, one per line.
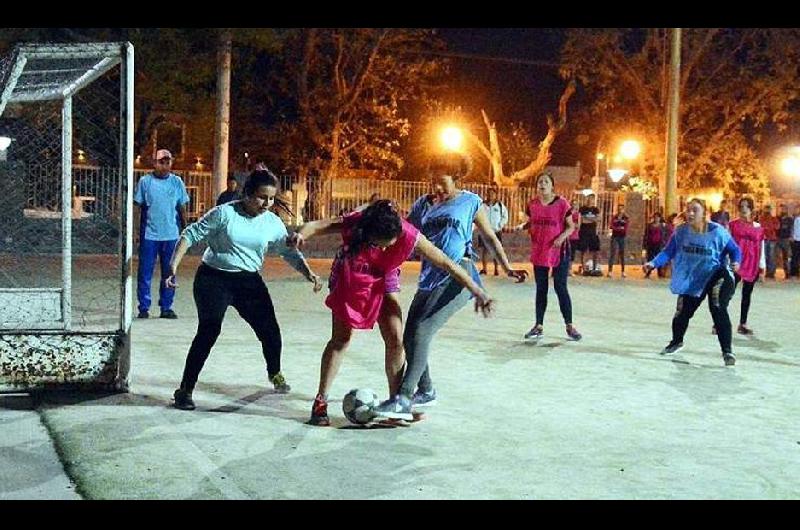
(149,251)
(769,250)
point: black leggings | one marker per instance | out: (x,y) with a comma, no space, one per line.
(719,289)
(747,293)
(541,275)
(214,291)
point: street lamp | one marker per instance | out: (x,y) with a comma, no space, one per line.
(630,149)
(452,138)
(790,164)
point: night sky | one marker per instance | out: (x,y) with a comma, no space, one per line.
(512,92)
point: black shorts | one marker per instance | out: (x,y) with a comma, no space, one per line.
(482,244)
(588,242)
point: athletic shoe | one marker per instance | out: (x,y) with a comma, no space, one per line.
(397,408)
(319,412)
(572,333)
(672,347)
(143,314)
(423,399)
(744,330)
(183,399)
(482,272)
(729,358)
(281,386)
(168,313)
(536,332)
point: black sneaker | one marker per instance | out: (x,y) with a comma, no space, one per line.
(672,347)
(729,359)
(482,272)
(169,313)
(536,332)
(183,399)
(280,384)
(573,333)
(319,412)
(143,314)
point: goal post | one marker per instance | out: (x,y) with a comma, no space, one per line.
(66,225)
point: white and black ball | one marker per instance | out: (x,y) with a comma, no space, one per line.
(357,405)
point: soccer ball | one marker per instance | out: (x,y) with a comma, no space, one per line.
(357,405)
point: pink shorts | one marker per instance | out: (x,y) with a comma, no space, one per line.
(392,281)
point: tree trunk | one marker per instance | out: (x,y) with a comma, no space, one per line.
(223,111)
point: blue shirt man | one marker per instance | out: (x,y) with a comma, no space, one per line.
(162,197)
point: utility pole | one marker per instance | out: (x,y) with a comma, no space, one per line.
(671,181)
(222,133)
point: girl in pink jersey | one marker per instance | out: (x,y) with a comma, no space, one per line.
(749,235)
(363,285)
(550,224)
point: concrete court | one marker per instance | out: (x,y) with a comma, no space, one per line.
(603,418)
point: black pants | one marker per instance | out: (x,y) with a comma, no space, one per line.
(795,261)
(541,275)
(214,291)
(719,289)
(747,293)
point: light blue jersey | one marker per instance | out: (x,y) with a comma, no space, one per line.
(696,257)
(448,226)
(160,199)
(238,242)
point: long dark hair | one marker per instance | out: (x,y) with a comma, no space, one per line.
(265,177)
(379,221)
(456,165)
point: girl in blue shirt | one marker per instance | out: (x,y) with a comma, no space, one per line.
(446,218)
(698,249)
(238,235)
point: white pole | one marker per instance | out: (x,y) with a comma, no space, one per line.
(126,182)
(671,184)
(223,112)
(66,212)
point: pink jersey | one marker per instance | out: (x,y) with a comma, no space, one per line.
(358,283)
(547,222)
(749,237)
(574,236)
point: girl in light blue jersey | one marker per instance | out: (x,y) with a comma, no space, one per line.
(238,235)
(698,249)
(446,218)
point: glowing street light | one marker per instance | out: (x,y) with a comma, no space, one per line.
(452,138)
(630,149)
(790,163)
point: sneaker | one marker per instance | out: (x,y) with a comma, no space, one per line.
(423,399)
(744,330)
(281,386)
(319,412)
(168,313)
(729,359)
(672,347)
(183,399)
(573,333)
(536,332)
(143,314)
(623,275)
(397,408)
(482,272)
(496,273)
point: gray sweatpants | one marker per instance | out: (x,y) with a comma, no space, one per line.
(429,312)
